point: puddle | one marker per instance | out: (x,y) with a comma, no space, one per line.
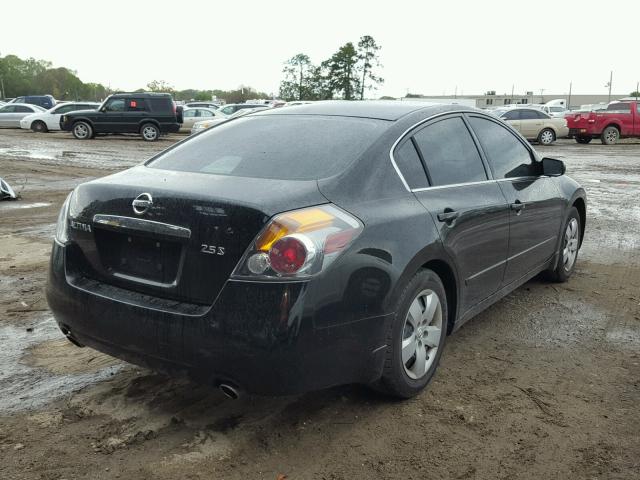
(18,206)
(25,387)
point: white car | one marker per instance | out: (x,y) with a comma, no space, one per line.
(12,113)
(50,119)
(203,125)
(192,115)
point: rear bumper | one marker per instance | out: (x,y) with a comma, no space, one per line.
(261,337)
(580,132)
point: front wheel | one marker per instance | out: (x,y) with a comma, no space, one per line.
(583,140)
(39,126)
(150,132)
(416,336)
(569,246)
(610,136)
(82,130)
(546,137)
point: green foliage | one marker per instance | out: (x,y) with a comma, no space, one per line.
(635,94)
(160,86)
(346,74)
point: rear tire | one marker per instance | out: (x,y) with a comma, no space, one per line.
(546,137)
(150,132)
(82,130)
(610,136)
(416,336)
(583,140)
(569,247)
(39,127)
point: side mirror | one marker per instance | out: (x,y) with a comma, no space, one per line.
(552,167)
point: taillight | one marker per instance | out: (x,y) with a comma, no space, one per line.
(299,244)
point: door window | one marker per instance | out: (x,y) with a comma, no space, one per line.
(206,113)
(507,155)
(115,105)
(136,105)
(189,113)
(512,115)
(529,115)
(409,164)
(22,109)
(8,109)
(66,109)
(450,153)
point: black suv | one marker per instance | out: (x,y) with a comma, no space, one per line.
(147,114)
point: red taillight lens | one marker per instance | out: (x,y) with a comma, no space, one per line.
(287,255)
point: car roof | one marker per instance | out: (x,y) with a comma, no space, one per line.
(140,95)
(380,109)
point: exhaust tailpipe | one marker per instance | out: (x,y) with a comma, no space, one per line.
(229,390)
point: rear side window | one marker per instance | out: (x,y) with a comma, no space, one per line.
(530,115)
(409,164)
(507,155)
(161,104)
(287,147)
(512,115)
(21,109)
(450,153)
(620,107)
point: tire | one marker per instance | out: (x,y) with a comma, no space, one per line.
(546,137)
(149,132)
(39,126)
(408,370)
(82,130)
(583,140)
(569,247)
(610,136)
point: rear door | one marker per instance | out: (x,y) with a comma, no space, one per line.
(467,206)
(536,207)
(7,115)
(135,111)
(512,117)
(531,123)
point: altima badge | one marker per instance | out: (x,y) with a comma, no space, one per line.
(142,203)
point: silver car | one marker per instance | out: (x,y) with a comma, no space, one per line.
(204,124)
(192,115)
(12,113)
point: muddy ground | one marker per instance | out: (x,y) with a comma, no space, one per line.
(544,384)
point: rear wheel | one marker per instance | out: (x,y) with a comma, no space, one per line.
(610,136)
(82,130)
(416,336)
(546,137)
(583,139)
(150,132)
(569,247)
(39,126)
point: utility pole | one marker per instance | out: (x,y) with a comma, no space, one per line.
(2,92)
(512,87)
(569,101)
(609,84)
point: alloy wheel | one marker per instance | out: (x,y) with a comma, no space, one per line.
(149,133)
(611,136)
(421,334)
(81,130)
(571,241)
(546,137)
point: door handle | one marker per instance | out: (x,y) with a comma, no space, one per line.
(517,207)
(448,215)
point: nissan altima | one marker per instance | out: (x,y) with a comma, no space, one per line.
(296,249)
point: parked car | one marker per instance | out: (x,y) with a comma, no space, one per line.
(50,119)
(193,115)
(619,120)
(535,125)
(44,101)
(234,107)
(296,249)
(203,125)
(11,114)
(147,114)
(210,105)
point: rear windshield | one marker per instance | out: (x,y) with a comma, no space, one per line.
(286,147)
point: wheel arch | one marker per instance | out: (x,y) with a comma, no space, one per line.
(82,119)
(448,278)
(152,121)
(615,125)
(581,206)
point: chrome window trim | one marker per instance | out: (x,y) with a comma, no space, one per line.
(425,120)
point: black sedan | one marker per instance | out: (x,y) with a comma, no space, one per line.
(296,249)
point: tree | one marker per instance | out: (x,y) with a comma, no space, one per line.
(298,73)
(342,70)
(160,86)
(635,94)
(368,56)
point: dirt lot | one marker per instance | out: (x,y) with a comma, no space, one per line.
(544,384)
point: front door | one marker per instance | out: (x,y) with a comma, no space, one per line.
(535,205)
(110,119)
(531,123)
(468,208)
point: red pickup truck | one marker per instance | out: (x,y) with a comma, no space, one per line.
(619,120)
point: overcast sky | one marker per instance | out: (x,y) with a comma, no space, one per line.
(427,47)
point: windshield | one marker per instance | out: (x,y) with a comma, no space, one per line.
(286,147)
